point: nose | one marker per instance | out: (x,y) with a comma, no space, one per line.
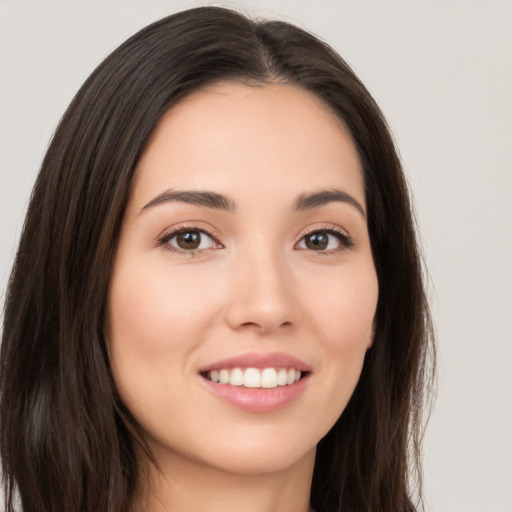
(263,296)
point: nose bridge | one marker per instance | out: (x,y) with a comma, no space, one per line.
(262,289)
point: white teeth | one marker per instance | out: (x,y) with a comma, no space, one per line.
(255,378)
(236,378)
(252,378)
(268,378)
(290,378)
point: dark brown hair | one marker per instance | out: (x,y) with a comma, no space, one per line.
(66,439)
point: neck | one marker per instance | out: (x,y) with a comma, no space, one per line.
(180,484)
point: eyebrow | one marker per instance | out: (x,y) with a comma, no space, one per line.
(323,197)
(306,201)
(199,198)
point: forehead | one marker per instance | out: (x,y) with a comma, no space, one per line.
(239,137)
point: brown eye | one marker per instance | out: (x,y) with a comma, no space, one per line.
(188,240)
(326,240)
(317,241)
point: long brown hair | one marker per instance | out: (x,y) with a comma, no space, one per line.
(67,442)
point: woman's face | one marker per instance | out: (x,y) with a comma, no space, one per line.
(243,259)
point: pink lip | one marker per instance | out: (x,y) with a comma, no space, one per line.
(258,399)
(260,361)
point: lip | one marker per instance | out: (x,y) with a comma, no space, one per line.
(258,399)
(260,361)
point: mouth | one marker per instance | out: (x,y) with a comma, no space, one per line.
(250,377)
(257,382)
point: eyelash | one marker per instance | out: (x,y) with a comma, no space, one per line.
(345,241)
(163,241)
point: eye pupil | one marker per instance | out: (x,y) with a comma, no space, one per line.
(188,239)
(317,241)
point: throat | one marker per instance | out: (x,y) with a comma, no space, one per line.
(182,484)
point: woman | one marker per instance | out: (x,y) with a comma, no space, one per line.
(217,300)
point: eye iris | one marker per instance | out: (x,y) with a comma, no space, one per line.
(317,241)
(188,239)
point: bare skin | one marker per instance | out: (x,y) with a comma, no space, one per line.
(197,489)
(245,237)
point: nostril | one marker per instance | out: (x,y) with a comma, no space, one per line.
(266,325)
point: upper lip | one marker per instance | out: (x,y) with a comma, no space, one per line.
(260,361)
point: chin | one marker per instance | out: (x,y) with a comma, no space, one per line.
(244,451)
(262,462)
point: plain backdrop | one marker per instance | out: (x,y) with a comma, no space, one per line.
(442,72)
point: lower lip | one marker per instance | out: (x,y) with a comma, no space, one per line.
(258,399)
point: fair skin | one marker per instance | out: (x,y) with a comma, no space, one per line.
(257,278)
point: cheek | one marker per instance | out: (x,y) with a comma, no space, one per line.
(344,310)
(153,326)
(344,320)
(156,320)
(153,311)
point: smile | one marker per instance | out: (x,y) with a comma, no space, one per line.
(257,382)
(255,378)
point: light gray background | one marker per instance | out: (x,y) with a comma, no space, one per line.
(442,73)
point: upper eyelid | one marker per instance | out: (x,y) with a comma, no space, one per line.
(323,227)
(174,230)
